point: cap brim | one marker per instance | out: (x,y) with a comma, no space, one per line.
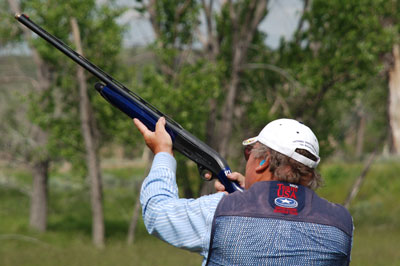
(250,141)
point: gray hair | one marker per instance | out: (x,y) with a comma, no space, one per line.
(287,169)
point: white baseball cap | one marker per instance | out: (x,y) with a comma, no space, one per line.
(285,136)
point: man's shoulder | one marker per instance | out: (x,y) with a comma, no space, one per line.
(329,207)
(280,200)
(331,212)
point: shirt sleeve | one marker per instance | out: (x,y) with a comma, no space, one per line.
(184,223)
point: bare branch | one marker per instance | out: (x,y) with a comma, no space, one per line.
(258,9)
(211,44)
(181,9)
(360,179)
(151,8)
(306,7)
(276,69)
(233,16)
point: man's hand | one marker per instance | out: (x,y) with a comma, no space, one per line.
(235,176)
(157,141)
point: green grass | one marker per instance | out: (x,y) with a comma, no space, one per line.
(146,251)
(68,238)
(376,245)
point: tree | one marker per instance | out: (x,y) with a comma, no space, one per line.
(92,159)
(390,20)
(243,19)
(100,31)
(56,109)
(27,143)
(394,100)
(213,54)
(336,59)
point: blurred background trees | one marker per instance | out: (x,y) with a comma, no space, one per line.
(210,68)
(51,107)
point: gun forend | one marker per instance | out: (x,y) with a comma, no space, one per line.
(184,142)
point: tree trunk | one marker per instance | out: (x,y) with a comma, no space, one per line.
(39,198)
(243,34)
(225,130)
(219,132)
(394,101)
(92,159)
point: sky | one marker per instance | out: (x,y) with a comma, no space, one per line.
(281,21)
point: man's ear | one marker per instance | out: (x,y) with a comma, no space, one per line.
(264,164)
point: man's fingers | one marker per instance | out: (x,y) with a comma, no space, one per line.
(218,186)
(142,128)
(235,176)
(208,176)
(158,141)
(160,125)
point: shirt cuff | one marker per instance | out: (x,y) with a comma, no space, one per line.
(164,160)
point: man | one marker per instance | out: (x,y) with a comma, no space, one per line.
(277,220)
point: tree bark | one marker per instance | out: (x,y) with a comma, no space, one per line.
(394,101)
(39,198)
(91,148)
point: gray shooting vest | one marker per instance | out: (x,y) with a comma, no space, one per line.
(277,223)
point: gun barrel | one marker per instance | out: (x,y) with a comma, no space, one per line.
(136,107)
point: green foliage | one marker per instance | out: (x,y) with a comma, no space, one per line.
(9,30)
(186,100)
(187,82)
(56,109)
(175,22)
(337,60)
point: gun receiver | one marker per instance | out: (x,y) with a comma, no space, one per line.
(134,106)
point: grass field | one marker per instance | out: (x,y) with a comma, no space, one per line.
(68,242)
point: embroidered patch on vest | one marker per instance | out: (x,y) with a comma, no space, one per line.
(286,198)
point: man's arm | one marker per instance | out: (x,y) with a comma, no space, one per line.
(184,223)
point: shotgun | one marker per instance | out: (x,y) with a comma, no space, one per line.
(206,158)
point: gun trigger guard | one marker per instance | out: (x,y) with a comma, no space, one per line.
(203,171)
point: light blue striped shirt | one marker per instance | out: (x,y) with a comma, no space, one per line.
(184,223)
